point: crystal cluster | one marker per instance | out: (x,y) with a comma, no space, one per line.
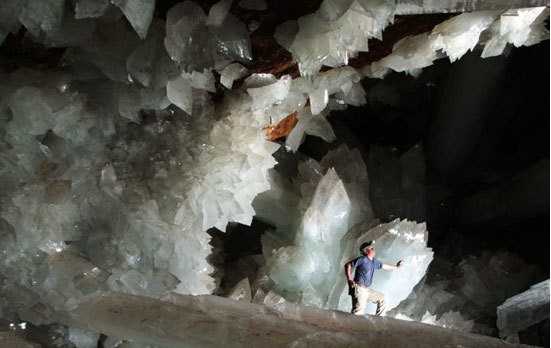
(451,320)
(460,34)
(330,218)
(106,187)
(331,90)
(519,27)
(197,41)
(335,33)
(328,198)
(53,22)
(463,296)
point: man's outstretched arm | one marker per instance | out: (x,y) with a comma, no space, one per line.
(388,267)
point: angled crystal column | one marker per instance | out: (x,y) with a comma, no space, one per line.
(523,310)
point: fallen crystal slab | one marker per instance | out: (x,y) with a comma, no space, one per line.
(283,325)
(523,310)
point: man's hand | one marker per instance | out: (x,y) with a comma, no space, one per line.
(351,286)
(399,263)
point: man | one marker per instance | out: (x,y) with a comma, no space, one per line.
(358,285)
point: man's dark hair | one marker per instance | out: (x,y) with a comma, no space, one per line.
(366,244)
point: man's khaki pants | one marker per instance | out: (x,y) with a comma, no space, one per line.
(362,295)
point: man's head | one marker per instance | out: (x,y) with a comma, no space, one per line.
(368,248)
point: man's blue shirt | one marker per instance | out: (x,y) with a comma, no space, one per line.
(364,269)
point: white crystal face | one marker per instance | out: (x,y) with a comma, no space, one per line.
(138,12)
(231,73)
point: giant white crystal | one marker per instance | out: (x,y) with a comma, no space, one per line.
(303,255)
(309,266)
